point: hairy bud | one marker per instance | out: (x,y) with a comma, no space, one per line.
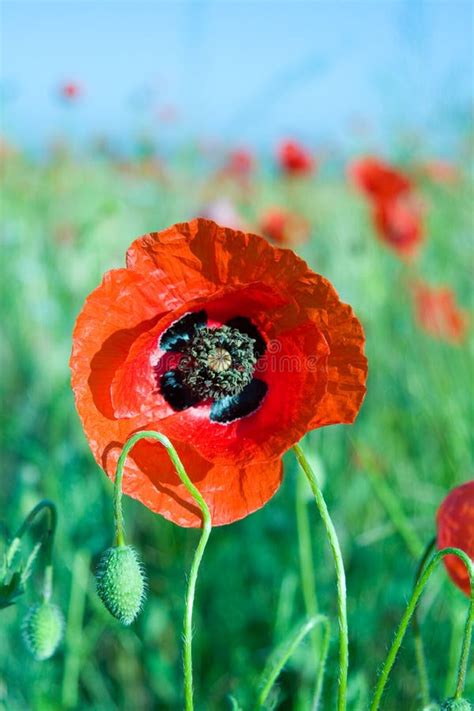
(121,583)
(456,705)
(43,629)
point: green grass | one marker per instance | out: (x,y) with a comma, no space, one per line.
(64,224)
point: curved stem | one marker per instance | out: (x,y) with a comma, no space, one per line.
(396,644)
(282,655)
(206,530)
(47,541)
(340,576)
(419,647)
(45,504)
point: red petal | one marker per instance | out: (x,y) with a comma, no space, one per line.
(455,522)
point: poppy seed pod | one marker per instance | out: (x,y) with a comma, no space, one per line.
(456,705)
(121,583)
(43,629)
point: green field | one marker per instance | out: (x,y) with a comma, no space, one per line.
(65,222)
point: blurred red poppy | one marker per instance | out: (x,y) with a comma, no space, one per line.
(70,91)
(455,523)
(438,314)
(294,159)
(230,347)
(399,224)
(284,227)
(378,180)
(240,163)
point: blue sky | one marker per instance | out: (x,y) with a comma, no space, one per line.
(245,71)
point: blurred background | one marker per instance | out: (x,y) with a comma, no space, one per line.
(119,118)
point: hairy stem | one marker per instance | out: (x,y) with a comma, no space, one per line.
(340,577)
(47,541)
(419,647)
(466,643)
(206,531)
(396,644)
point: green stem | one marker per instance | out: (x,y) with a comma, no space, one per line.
(47,541)
(206,530)
(45,504)
(29,563)
(279,659)
(308,580)
(419,647)
(318,691)
(396,644)
(423,677)
(466,644)
(456,631)
(340,576)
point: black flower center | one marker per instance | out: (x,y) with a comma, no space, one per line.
(217,364)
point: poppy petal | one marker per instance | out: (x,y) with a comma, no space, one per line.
(114,315)
(455,528)
(347,368)
(231,492)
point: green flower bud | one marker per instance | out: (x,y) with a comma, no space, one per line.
(456,705)
(121,583)
(43,629)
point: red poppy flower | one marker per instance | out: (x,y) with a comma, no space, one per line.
(399,224)
(283,227)
(455,522)
(70,91)
(294,159)
(438,314)
(240,163)
(230,347)
(378,180)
